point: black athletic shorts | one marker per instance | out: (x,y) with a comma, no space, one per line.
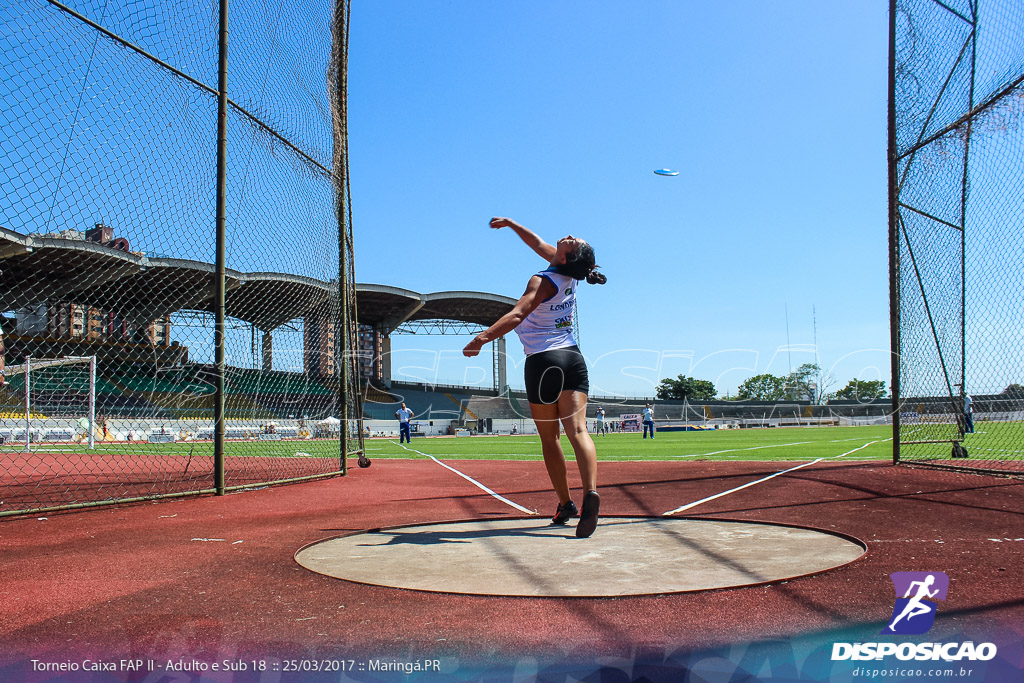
(549,373)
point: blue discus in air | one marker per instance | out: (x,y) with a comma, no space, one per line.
(665,171)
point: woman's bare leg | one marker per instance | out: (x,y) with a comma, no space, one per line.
(546,419)
(572,410)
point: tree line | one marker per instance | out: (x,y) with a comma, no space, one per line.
(807,383)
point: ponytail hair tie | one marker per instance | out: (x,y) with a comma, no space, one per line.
(594,277)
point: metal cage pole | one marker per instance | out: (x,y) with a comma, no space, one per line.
(894,244)
(349,400)
(958,449)
(220,292)
(340,58)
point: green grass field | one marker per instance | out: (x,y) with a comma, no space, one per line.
(992,440)
(796,443)
(803,443)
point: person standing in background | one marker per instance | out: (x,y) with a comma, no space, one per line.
(601,428)
(404,430)
(648,415)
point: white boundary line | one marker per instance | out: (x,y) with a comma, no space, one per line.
(738,488)
(734,450)
(770,476)
(471,480)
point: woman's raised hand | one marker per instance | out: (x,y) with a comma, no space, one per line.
(472,348)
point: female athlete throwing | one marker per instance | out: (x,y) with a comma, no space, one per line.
(556,374)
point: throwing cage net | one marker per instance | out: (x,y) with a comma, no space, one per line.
(956,167)
(177,213)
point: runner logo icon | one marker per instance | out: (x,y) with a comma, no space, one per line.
(916,593)
(914,614)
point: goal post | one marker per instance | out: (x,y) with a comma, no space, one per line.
(47,377)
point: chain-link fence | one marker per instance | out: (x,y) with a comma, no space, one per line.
(161,183)
(957,232)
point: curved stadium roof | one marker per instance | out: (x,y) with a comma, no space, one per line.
(388,307)
(39,268)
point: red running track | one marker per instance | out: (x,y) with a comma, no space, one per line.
(147,580)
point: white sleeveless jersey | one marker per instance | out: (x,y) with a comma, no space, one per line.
(549,326)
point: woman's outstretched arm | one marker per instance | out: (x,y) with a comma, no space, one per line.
(538,290)
(532,240)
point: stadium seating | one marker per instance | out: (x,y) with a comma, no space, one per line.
(372,394)
(182,392)
(495,407)
(118,405)
(426,402)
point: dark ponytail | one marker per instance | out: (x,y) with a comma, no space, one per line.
(581,265)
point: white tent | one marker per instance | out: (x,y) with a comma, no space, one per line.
(329,425)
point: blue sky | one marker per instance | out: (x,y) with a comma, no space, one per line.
(556,114)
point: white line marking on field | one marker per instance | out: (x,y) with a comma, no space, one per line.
(869,443)
(496,455)
(738,488)
(770,476)
(470,479)
(856,438)
(733,450)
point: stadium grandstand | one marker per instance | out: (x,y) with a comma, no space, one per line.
(80,278)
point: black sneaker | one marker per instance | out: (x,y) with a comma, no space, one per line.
(588,518)
(564,512)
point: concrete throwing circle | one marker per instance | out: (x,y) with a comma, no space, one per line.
(625,556)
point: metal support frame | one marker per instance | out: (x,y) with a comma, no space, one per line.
(433,327)
(495,360)
(220,290)
(897,228)
(958,449)
(894,249)
(349,400)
